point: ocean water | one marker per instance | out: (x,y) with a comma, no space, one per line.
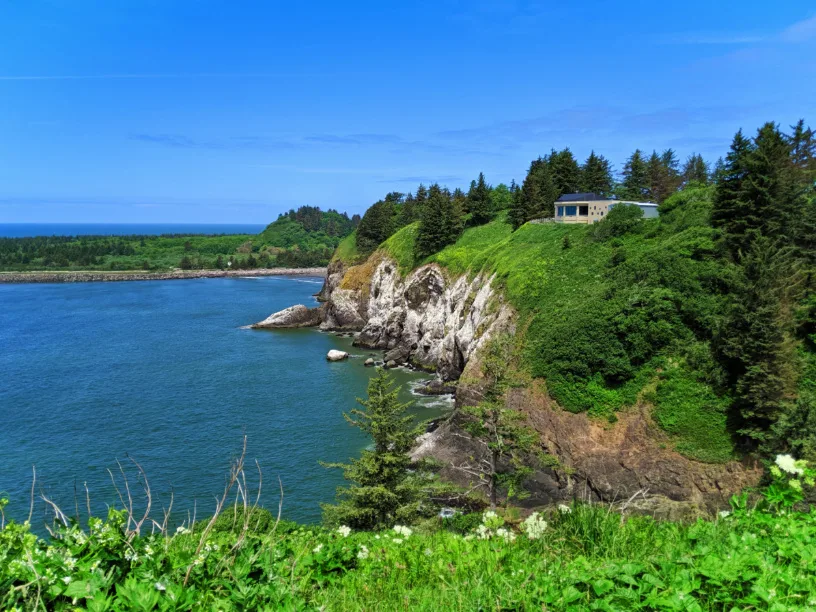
(165,373)
(21,230)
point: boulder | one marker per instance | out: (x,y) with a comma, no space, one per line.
(334,355)
(436,387)
(369,362)
(294,316)
(391,364)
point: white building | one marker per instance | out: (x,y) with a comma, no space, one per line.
(591,208)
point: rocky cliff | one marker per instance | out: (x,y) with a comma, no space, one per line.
(438,323)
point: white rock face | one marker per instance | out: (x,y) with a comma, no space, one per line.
(342,311)
(336,355)
(429,322)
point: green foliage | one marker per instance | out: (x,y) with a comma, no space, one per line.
(693,415)
(478,202)
(582,557)
(384,491)
(621,219)
(537,195)
(402,247)
(566,174)
(501,198)
(596,175)
(346,250)
(635,185)
(378,223)
(440,222)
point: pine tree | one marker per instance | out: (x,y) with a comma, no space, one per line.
(671,166)
(501,198)
(727,214)
(478,202)
(566,174)
(770,192)
(537,195)
(440,222)
(384,490)
(803,153)
(695,170)
(596,176)
(410,210)
(635,184)
(377,224)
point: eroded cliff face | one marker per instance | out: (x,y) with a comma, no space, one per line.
(429,322)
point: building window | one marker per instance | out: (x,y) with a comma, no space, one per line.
(583,211)
(570,210)
(560,211)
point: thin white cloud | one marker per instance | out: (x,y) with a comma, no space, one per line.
(800,31)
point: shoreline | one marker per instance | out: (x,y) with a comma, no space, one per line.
(101,276)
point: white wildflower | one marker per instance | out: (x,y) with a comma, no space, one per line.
(377,537)
(397,541)
(67,579)
(148,550)
(468,537)
(363,552)
(489,515)
(505,534)
(534,526)
(130,555)
(564,509)
(483,533)
(317,548)
(160,587)
(182,530)
(788,464)
(428,552)
(344,530)
(403,530)
(724,513)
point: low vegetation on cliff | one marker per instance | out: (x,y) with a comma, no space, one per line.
(300,238)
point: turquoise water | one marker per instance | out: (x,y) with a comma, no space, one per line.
(164,372)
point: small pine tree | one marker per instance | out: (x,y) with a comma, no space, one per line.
(384,490)
(440,222)
(728,209)
(537,195)
(499,430)
(695,170)
(478,202)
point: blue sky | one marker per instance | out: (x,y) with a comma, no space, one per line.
(203,111)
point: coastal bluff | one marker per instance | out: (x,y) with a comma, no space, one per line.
(93,277)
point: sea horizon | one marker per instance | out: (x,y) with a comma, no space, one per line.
(27,230)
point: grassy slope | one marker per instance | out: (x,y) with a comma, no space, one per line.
(631,305)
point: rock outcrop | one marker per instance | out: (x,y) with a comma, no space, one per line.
(431,323)
(598,461)
(334,355)
(294,316)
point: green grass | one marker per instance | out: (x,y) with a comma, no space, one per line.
(400,246)
(586,559)
(693,415)
(347,250)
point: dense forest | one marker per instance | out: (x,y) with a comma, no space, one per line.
(299,238)
(715,298)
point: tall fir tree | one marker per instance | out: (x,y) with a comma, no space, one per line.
(565,171)
(803,153)
(596,176)
(478,202)
(695,170)
(385,489)
(635,183)
(377,224)
(727,213)
(770,194)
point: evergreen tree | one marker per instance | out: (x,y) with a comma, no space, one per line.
(498,430)
(750,341)
(536,197)
(671,166)
(803,153)
(663,177)
(635,184)
(596,176)
(410,210)
(440,222)
(377,224)
(695,170)
(566,174)
(770,192)
(384,490)
(478,202)
(727,213)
